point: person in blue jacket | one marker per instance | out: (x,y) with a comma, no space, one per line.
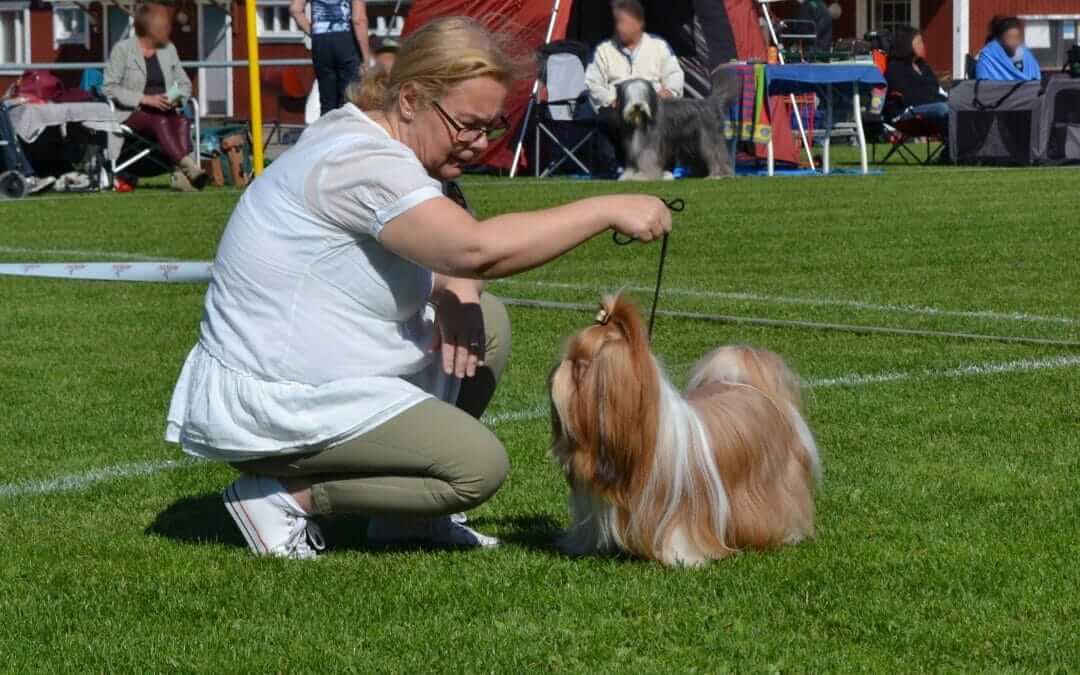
(1004,57)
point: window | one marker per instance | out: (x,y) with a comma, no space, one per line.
(888,15)
(70,26)
(275,24)
(14,32)
(1050,37)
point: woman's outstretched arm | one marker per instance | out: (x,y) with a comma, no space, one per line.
(442,237)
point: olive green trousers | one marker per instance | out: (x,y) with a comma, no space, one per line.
(432,459)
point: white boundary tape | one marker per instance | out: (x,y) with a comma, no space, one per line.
(79,481)
(781,300)
(158,272)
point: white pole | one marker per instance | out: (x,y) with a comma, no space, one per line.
(532,96)
(791,97)
(859,128)
(826,159)
(961,37)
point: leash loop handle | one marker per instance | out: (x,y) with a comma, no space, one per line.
(674,205)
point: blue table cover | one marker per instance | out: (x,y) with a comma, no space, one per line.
(800,78)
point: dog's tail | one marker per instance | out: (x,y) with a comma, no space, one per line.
(726,85)
(766,372)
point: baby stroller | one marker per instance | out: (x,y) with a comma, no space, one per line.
(15,170)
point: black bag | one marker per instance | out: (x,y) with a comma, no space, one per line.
(995,123)
(1072,66)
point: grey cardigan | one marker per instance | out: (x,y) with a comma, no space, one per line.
(125,74)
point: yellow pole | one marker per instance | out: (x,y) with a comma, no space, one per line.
(255,86)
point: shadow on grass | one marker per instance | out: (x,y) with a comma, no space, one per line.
(539,532)
(203,520)
(197,520)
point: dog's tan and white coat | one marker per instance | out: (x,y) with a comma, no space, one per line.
(683,479)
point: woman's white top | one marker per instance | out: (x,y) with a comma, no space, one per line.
(312,332)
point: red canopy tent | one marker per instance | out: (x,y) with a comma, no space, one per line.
(703,33)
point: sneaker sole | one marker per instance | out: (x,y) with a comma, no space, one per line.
(235,506)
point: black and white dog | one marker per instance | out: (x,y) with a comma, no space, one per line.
(658,133)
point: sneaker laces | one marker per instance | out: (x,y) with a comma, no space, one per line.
(305,539)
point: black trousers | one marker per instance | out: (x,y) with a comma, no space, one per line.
(610,152)
(11,154)
(337,63)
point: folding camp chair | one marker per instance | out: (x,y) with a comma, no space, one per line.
(901,132)
(136,147)
(568,110)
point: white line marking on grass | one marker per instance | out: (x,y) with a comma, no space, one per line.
(782,300)
(79,481)
(82,252)
(516,416)
(1018,366)
(858,380)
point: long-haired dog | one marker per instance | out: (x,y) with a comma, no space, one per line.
(658,133)
(683,479)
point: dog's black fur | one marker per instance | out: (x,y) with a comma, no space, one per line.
(658,133)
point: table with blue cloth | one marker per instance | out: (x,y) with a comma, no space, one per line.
(805,78)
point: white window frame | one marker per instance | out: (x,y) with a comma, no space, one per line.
(289,33)
(863,10)
(80,40)
(22,31)
(203,106)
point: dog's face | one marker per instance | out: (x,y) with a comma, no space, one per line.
(604,396)
(637,102)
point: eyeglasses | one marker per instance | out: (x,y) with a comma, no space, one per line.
(471,134)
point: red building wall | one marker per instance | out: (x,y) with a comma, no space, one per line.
(937,26)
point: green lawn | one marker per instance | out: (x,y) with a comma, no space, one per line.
(949,516)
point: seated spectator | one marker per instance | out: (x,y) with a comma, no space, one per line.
(144,76)
(630,53)
(1004,57)
(914,90)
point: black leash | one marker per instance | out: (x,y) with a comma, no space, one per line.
(675,206)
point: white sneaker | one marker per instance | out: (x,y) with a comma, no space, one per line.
(448,531)
(270,519)
(36,184)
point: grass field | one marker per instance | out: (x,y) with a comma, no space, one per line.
(949,516)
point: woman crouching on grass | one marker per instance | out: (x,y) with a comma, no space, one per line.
(347,349)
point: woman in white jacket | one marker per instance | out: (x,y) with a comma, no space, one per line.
(630,54)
